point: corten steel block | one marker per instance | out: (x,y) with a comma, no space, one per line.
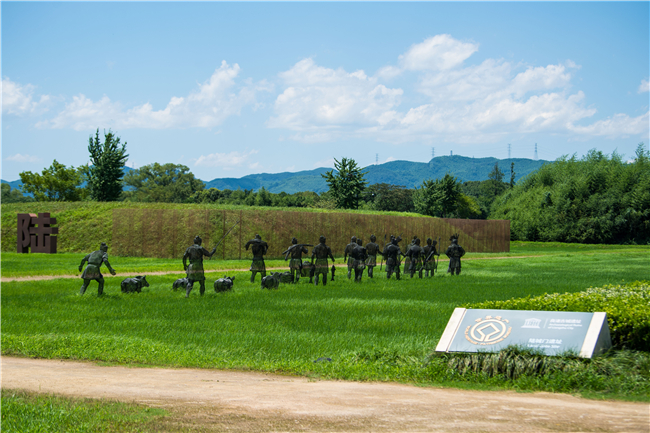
(36,232)
(22,239)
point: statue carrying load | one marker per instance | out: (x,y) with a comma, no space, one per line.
(359,257)
(430,251)
(392,254)
(259,248)
(92,271)
(346,254)
(372,248)
(194,270)
(454,252)
(416,255)
(321,252)
(296,251)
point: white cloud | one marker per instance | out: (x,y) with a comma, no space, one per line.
(327,163)
(226,161)
(644,86)
(215,100)
(440,52)
(478,103)
(319,101)
(18,99)
(23,158)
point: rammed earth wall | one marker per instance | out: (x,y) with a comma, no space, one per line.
(167,232)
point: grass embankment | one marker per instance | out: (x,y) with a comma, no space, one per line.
(376,330)
(28,412)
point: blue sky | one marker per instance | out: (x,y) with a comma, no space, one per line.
(231,89)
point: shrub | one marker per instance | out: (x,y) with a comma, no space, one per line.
(627,307)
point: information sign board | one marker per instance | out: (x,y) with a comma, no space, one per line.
(550,332)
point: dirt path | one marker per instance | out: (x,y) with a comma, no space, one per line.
(224,271)
(245,401)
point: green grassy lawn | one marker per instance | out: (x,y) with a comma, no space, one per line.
(376,330)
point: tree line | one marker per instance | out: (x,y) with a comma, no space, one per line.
(595,199)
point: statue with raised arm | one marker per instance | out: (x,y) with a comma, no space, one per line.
(346,254)
(372,248)
(92,271)
(259,248)
(393,254)
(295,251)
(194,253)
(430,252)
(454,252)
(321,252)
(359,257)
(416,254)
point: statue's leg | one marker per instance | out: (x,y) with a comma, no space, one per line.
(100,288)
(349,272)
(84,286)
(316,279)
(325,279)
(202,287)
(398,273)
(188,288)
(253,276)
(458,270)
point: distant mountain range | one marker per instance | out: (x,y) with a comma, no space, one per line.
(406,173)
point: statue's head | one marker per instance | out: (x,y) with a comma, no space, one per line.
(428,241)
(321,239)
(198,240)
(417,241)
(257,236)
(373,238)
(359,241)
(353,239)
(454,238)
(294,241)
(103,247)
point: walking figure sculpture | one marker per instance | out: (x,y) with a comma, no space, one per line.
(372,248)
(407,259)
(296,251)
(430,251)
(416,254)
(92,271)
(346,254)
(392,254)
(321,252)
(454,252)
(359,256)
(194,270)
(259,248)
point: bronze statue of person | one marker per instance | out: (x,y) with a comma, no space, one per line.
(92,271)
(372,248)
(295,265)
(321,252)
(407,260)
(454,252)
(392,253)
(430,261)
(416,254)
(259,248)
(194,270)
(346,254)
(359,257)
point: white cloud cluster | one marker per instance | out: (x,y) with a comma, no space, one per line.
(319,101)
(466,104)
(227,161)
(209,106)
(644,87)
(18,99)
(23,158)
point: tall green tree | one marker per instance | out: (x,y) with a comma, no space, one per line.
(347,184)
(386,197)
(107,169)
(438,197)
(167,183)
(56,183)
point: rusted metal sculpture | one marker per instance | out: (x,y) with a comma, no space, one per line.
(321,252)
(372,248)
(194,270)
(259,248)
(92,271)
(454,252)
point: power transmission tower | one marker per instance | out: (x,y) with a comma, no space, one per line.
(376,158)
(508,150)
(451,153)
(535,158)
(433,152)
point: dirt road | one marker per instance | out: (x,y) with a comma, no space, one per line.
(246,401)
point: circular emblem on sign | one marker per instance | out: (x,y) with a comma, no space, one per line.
(490,330)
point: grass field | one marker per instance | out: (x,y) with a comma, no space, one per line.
(376,330)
